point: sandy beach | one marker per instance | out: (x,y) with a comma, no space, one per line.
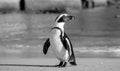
(48,64)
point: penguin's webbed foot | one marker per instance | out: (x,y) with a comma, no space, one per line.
(61,64)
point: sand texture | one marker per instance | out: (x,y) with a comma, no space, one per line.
(47,64)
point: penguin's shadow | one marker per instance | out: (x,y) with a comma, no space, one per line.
(25,65)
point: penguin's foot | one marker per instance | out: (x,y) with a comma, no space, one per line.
(62,64)
(73,63)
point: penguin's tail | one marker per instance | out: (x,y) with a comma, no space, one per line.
(72,60)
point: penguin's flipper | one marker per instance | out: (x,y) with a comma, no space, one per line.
(67,43)
(69,47)
(46,46)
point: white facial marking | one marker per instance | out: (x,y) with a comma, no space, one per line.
(60,16)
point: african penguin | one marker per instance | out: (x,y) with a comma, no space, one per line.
(60,42)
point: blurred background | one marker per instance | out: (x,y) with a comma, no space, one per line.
(25,25)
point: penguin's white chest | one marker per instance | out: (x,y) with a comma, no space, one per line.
(57,45)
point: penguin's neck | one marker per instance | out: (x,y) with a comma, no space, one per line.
(60,25)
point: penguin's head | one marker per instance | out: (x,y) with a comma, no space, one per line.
(64,18)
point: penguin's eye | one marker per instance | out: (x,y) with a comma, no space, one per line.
(70,17)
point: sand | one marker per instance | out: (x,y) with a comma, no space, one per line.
(47,64)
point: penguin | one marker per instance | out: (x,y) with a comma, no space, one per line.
(60,42)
